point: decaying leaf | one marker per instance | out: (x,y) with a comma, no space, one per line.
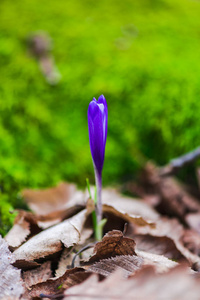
(67,255)
(172,229)
(121,253)
(113,244)
(174,199)
(131,206)
(144,284)
(127,263)
(50,200)
(57,285)
(26,265)
(135,219)
(37,275)
(65,262)
(25,224)
(161,245)
(50,241)
(11,285)
(159,262)
(53,218)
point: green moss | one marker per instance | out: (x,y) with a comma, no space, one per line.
(142,55)
(7,214)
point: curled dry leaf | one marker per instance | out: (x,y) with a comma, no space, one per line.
(134,219)
(11,286)
(113,244)
(50,240)
(127,205)
(144,284)
(172,229)
(37,275)
(51,200)
(25,224)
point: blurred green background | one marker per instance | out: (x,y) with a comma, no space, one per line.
(143,55)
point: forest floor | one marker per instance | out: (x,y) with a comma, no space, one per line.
(150,248)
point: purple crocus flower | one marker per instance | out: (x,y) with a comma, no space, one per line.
(97,125)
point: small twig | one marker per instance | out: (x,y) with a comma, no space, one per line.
(180,162)
(55,296)
(80,251)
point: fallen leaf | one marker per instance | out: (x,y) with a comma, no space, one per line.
(51,200)
(159,262)
(57,285)
(65,262)
(113,244)
(37,275)
(161,245)
(144,284)
(25,224)
(174,199)
(172,229)
(50,241)
(25,265)
(11,285)
(53,218)
(135,219)
(127,263)
(128,205)
(67,255)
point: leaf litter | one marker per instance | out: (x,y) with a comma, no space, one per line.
(148,244)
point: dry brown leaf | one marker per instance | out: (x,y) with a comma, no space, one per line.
(113,244)
(45,221)
(127,263)
(57,285)
(172,229)
(158,245)
(25,224)
(25,265)
(65,262)
(37,275)
(51,200)
(67,255)
(131,206)
(51,240)
(11,285)
(175,200)
(159,262)
(145,284)
(135,219)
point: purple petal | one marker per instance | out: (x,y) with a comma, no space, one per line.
(97,124)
